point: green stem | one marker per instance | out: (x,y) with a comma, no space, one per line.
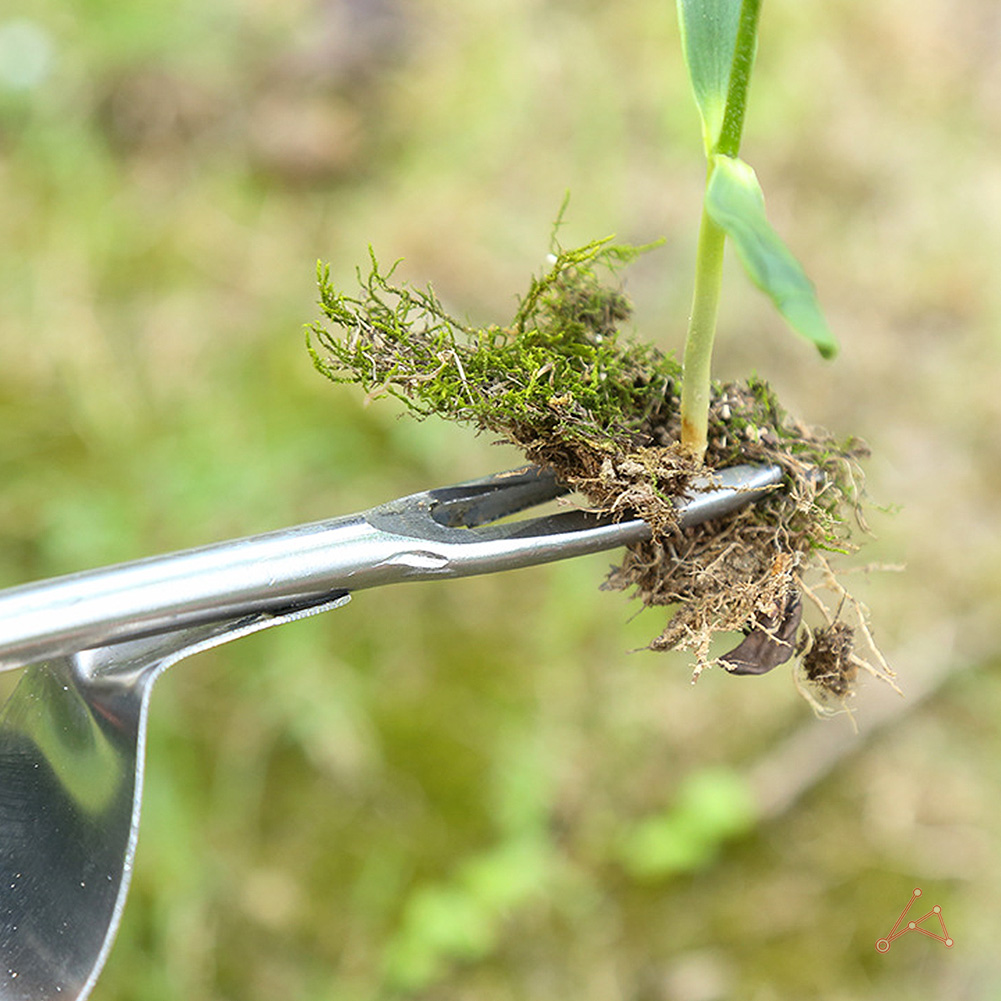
(699,343)
(740,77)
(697,362)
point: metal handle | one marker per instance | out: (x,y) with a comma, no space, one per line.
(259,574)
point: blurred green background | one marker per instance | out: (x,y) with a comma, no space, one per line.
(475,790)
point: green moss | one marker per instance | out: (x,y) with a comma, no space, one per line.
(562,382)
(560,371)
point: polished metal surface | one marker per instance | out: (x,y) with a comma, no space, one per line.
(72,734)
(71,768)
(434,534)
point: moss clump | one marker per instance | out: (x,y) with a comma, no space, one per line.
(564,384)
(557,372)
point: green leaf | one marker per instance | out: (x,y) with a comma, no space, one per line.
(713,805)
(708,40)
(736,204)
(719,800)
(663,845)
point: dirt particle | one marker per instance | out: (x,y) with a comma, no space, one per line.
(829,663)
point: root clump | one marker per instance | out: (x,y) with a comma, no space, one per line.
(829,662)
(562,384)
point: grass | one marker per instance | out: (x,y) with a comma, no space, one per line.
(346,810)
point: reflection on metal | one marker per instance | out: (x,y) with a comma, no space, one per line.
(71,766)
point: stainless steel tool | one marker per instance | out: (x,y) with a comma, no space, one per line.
(72,734)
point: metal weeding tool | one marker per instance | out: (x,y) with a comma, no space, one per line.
(72,733)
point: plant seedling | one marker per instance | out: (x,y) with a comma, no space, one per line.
(627,427)
(719,40)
